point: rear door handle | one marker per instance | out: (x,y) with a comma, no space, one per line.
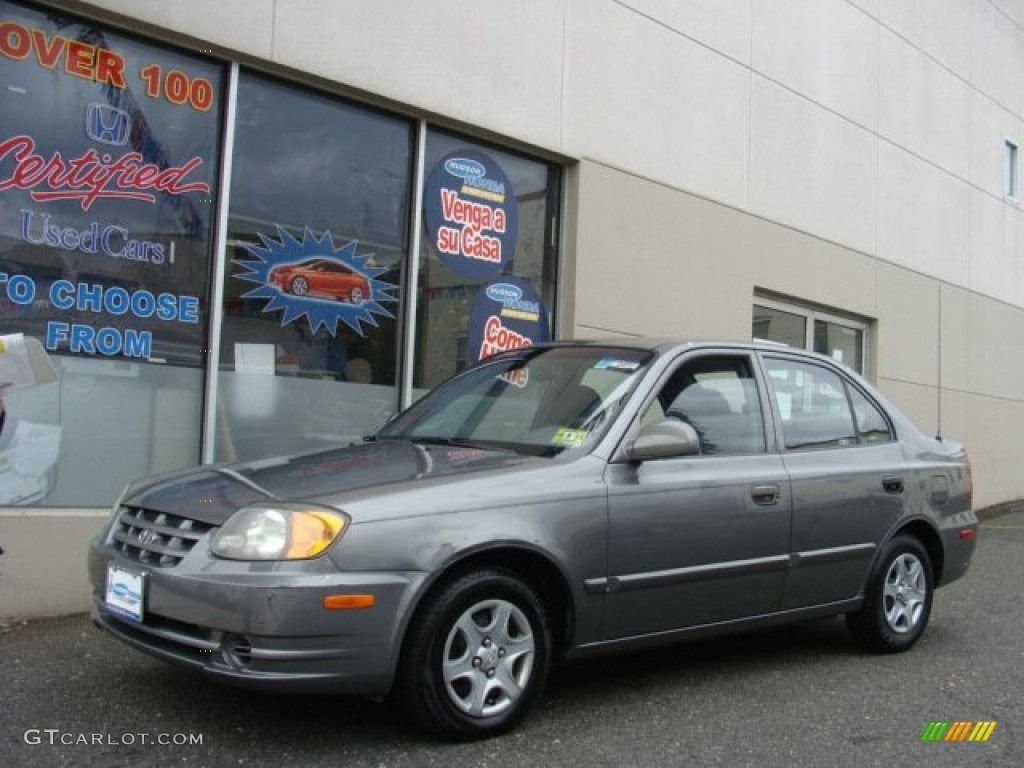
(765,495)
(892,484)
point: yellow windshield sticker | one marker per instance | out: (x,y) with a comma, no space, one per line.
(571,437)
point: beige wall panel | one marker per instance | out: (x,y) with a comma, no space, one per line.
(997,247)
(644,97)
(918,402)
(996,353)
(991,126)
(922,106)
(997,56)
(923,215)
(990,429)
(956,337)
(240,25)
(940,28)
(784,261)
(723,25)
(495,64)
(653,261)
(907,337)
(826,50)
(43,568)
(817,174)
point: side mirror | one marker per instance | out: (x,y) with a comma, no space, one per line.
(668,438)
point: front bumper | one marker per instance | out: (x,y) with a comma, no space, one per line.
(264,625)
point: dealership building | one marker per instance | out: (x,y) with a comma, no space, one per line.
(255,227)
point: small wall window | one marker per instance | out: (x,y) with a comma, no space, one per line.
(844,339)
(1012,171)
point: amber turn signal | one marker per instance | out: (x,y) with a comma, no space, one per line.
(339,602)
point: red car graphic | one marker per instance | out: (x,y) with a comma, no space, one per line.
(323,278)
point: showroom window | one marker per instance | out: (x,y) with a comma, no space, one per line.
(487,257)
(841,338)
(224,265)
(109,150)
(317,239)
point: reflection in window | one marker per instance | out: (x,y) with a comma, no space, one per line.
(871,423)
(317,239)
(840,342)
(783,327)
(812,404)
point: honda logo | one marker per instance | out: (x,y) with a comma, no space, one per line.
(107,124)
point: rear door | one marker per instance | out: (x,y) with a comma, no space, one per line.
(846,473)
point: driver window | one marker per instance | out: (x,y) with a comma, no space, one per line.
(717,396)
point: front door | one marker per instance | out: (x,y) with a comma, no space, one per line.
(700,539)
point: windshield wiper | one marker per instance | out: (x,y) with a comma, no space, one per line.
(459,442)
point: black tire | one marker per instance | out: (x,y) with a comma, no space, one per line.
(355,296)
(300,286)
(476,656)
(897,599)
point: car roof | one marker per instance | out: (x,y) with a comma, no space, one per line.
(665,344)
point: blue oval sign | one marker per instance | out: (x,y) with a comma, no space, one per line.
(504,293)
(465,168)
(470,214)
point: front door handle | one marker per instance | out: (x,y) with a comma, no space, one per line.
(892,484)
(765,495)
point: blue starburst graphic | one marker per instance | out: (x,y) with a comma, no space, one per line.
(321,303)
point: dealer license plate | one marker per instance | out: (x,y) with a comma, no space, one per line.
(126,592)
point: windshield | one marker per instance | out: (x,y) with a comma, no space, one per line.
(537,401)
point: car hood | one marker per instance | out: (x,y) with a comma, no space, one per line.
(211,494)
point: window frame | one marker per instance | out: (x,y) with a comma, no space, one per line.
(849,384)
(1011,170)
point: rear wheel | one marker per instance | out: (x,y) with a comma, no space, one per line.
(355,296)
(898,599)
(476,658)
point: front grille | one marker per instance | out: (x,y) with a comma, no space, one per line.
(156,538)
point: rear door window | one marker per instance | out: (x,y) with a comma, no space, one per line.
(812,404)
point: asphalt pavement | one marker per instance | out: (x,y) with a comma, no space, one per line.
(799,696)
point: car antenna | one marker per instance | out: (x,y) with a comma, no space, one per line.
(938,427)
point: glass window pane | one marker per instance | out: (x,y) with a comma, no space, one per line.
(812,405)
(784,327)
(717,396)
(871,424)
(488,261)
(317,241)
(107,266)
(840,342)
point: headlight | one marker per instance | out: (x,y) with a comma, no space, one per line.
(280,532)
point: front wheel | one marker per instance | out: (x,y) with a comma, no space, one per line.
(476,658)
(898,599)
(300,286)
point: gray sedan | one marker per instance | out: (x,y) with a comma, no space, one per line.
(549,503)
